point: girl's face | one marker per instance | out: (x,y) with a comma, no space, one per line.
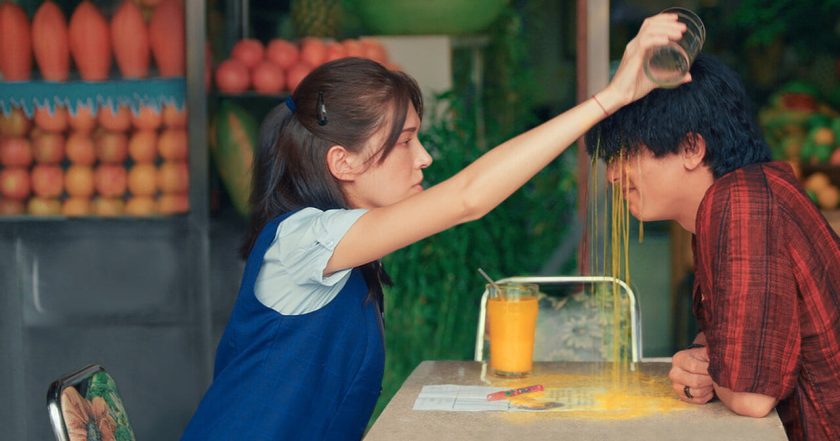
(399,176)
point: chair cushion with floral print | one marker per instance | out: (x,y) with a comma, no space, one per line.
(91,407)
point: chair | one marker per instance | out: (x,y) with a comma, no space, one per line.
(85,400)
(570,323)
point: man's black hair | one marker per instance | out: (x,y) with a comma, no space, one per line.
(714,105)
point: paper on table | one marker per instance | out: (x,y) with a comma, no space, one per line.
(457,398)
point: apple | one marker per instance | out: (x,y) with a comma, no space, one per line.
(110,180)
(142,180)
(173,145)
(15,151)
(111,147)
(14,123)
(14,183)
(282,53)
(79,181)
(249,51)
(268,78)
(173,177)
(232,76)
(48,147)
(80,148)
(11,207)
(75,206)
(142,147)
(296,74)
(41,206)
(313,51)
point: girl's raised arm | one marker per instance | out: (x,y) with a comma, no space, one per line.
(494,176)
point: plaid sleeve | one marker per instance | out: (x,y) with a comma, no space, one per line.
(752,324)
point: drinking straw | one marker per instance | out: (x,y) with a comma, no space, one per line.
(495,286)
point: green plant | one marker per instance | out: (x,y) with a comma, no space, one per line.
(431,311)
(811,22)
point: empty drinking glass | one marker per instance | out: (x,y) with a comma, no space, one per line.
(667,65)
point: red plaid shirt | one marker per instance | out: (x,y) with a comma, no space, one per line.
(767,296)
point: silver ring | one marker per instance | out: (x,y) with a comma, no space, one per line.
(687,393)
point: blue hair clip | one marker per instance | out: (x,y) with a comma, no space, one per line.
(290,103)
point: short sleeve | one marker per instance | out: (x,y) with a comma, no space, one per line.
(291,279)
(752,324)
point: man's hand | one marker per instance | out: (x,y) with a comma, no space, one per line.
(690,376)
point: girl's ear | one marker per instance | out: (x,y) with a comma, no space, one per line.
(694,151)
(341,163)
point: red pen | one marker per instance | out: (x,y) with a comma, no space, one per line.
(501,395)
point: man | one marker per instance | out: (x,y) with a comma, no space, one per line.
(767,264)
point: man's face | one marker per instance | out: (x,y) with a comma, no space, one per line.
(652,186)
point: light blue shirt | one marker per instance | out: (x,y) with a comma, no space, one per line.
(291,280)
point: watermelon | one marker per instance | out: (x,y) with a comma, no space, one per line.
(232,148)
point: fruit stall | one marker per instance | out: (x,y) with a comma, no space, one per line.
(103,205)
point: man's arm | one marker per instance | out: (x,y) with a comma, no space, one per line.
(746,403)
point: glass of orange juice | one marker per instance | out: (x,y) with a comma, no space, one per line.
(512,319)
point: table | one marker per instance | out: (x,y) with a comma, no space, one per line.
(711,421)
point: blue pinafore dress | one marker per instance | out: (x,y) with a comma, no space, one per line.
(314,376)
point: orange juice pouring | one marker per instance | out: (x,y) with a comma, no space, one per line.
(512,319)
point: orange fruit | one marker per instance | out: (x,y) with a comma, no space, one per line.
(146,119)
(83,120)
(110,180)
(78,181)
(55,121)
(173,117)
(42,206)
(108,207)
(141,206)
(111,147)
(80,149)
(172,144)
(118,121)
(11,207)
(142,147)
(47,180)
(142,179)
(173,203)
(75,206)
(173,177)
(14,124)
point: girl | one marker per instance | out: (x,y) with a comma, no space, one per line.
(337,186)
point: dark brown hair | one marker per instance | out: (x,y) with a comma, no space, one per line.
(361,98)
